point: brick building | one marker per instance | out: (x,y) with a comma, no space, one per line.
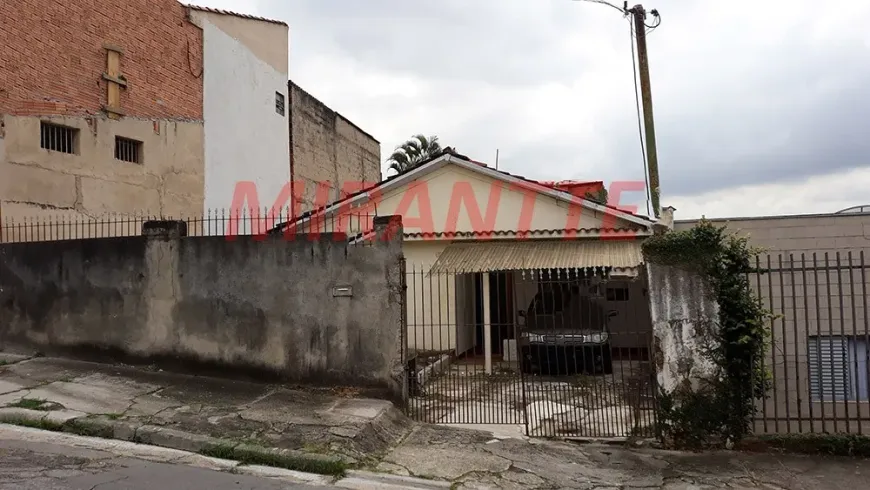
(152,106)
(328,148)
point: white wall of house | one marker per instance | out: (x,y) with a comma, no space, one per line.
(432,299)
(456,199)
(246,139)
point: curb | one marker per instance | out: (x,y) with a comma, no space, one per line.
(105,428)
(73,424)
(364,480)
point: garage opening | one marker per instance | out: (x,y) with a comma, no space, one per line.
(555,351)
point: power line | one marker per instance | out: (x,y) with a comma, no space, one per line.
(603,2)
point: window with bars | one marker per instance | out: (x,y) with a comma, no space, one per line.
(838,368)
(55,137)
(128,150)
(617,294)
(279,103)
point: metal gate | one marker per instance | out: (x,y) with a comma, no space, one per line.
(569,351)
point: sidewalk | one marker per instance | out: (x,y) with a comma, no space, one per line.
(214,417)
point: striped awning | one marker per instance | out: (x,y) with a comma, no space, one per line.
(539,254)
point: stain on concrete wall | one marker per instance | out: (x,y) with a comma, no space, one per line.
(244,304)
(684,316)
(90,182)
(328,149)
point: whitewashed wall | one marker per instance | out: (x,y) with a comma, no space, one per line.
(245,138)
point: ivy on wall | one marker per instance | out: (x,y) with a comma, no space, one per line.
(722,408)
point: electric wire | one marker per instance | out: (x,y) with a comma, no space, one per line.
(603,2)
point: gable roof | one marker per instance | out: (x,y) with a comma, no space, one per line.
(449,156)
(234,14)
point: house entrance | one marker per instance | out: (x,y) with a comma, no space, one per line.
(501,314)
(555,352)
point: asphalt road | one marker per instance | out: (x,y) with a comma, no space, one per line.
(28,465)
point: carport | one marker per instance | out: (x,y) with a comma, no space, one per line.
(502,278)
(499,286)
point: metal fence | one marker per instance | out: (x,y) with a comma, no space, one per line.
(820,343)
(557,363)
(356,227)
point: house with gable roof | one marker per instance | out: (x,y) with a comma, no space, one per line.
(481,246)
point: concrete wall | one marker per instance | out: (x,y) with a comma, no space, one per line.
(37,182)
(683,314)
(801,234)
(51,69)
(267,306)
(328,149)
(246,138)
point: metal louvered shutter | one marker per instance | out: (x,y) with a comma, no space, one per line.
(829,369)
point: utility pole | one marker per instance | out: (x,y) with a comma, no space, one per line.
(639,15)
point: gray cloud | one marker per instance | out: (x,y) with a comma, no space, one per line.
(745,92)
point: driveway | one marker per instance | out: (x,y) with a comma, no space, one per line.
(610,406)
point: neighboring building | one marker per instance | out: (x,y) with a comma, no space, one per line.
(795,234)
(815,276)
(328,150)
(245,104)
(157,108)
(137,106)
(476,241)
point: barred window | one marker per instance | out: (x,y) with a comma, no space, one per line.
(128,150)
(55,137)
(279,103)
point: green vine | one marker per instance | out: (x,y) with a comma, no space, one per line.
(723,407)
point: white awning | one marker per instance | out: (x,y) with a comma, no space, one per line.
(619,255)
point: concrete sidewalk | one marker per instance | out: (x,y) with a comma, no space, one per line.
(312,421)
(191,413)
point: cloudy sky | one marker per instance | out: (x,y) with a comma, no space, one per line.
(762,107)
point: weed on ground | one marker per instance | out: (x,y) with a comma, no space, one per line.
(265,457)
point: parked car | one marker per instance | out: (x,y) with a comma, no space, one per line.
(564,332)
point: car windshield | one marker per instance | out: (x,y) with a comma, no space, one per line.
(561,306)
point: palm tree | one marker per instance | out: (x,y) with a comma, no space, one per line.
(412,152)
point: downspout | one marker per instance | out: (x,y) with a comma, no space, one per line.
(290,127)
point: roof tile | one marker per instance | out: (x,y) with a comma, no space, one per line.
(235,14)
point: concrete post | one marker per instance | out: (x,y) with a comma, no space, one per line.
(487,324)
(161,284)
(389,235)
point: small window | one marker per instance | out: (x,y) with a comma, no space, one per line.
(617,294)
(128,150)
(279,103)
(838,368)
(55,137)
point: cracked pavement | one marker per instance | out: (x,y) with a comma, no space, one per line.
(476,460)
(368,433)
(310,420)
(42,466)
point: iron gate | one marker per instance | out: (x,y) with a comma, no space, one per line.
(569,352)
